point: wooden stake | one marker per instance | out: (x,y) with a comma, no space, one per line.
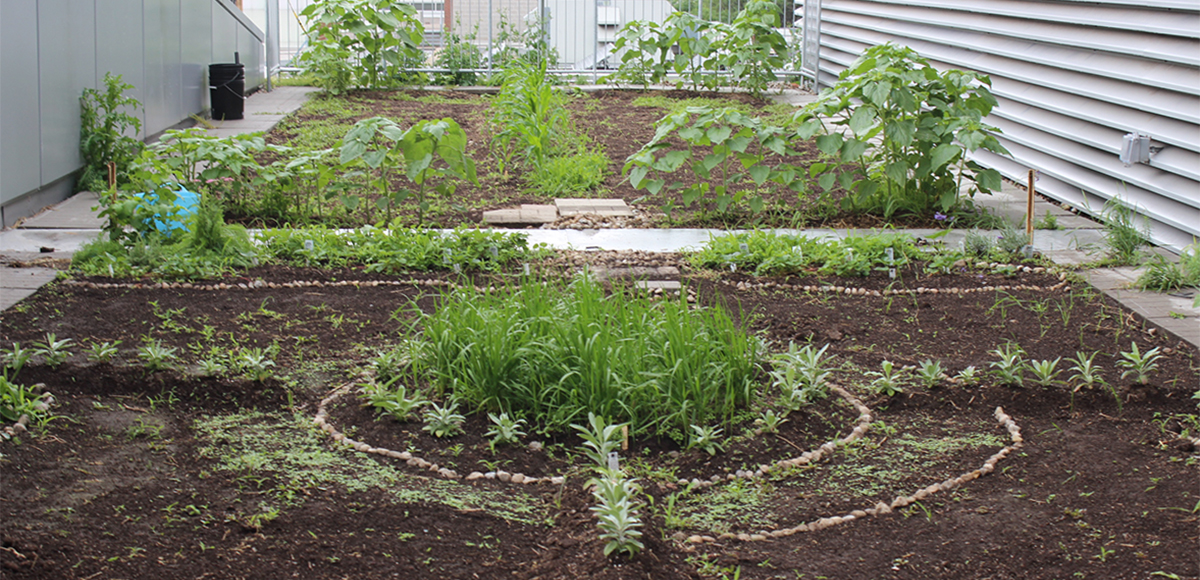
(624,437)
(112,180)
(1029,206)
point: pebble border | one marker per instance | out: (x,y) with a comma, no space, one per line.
(322,422)
(805,458)
(21,426)
(882,508)
(1063,284)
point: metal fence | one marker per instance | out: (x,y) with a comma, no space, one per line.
(580,33)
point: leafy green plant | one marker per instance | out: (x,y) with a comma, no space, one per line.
(107,133)
(1012,240)
(1163,275)
(727,151)
(443,421)
(926,121)
(618,518)
(1048,222)
(102,352)
(414,153)
(889,380)
(53,351)
(210,367)
(458,54)
(361,43)
(930,372)
(752,48)
(17,400)
(570,174)
(706,437)
(768,253)
(1123,234)
(968,376)
(155,356)
(802,373)
(388,364)
(1044,371)
(1085,373)
(554,353)
(257,364)
(1138,364)
(976,244)
(394,399)
(1010,368)
(504,430)
(530,120)
(16,357)
(770,421)
(600,438)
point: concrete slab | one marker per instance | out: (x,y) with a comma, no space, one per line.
(658,284)
(526,214)
(26,278)
(73,214)
(600,207)
(64,242)
(9,297)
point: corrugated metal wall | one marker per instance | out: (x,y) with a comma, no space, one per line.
(50,50)
(1072,78)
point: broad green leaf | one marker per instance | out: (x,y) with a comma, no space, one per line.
(712,160)
(756,203)
(989,180)
(637,175)
(897,171)
(759,173)
(942,154)
(655,185)
(672,160)
(719,134)
(862,119)
(829,144)
(853,149)
(901,132)
(877,92)
(826,181)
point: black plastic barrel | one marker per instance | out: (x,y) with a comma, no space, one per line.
(226,83)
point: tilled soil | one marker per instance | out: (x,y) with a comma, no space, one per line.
(127,482)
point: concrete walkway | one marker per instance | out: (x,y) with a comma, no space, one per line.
(59,231)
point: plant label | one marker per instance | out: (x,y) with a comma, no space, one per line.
(458,269)
(743,248)
(892,273)
(526,268)
(732,267)
(891,256)
(308,245)
(446,256)
(494,252)
(614,461)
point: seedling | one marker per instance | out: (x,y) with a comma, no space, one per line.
(210,367)
(888,381)
(443,421)
(706,438)
(600,439)
(770,421)
(16,358)
(968,376)
(504,430)
(54,351)
(1010,368)
(1085,372)
(1044,371)
(1139,365)
(102,352)
(395,401)
(155,356)
(930,372)
(256,363)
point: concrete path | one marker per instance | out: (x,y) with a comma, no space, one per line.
(61,230)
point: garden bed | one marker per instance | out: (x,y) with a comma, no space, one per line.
(175,475)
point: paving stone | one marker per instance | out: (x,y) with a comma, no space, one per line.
(599,207)
(654,284)
(526,214)
(26,278)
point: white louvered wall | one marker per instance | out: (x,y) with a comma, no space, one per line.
(1072,78)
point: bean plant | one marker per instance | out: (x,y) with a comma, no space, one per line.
(925,122)
(361,43)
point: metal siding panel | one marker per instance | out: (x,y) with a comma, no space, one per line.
(224,36)
(163,106)
(119,47)
(20,164)
(250,49)
(67,63)
(195,38)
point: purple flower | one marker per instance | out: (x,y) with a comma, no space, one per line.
(939,216)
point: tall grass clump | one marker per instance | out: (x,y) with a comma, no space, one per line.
(555,352)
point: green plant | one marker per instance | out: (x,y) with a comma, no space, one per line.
(968,376)
(1010,368)
(769,421)
(530,120)
(504,429)
(1163,275)
(727,151)
(388,364)
(1012,240)
(976,244)
(618,518)
(414,153)
(257,363)
(210,367)
(443,421)
(930,372)
(600,439)
(1048,222)
(925,120)
(1085,373)
(568,174)
(55,352)
(752,48)
(680,45)
(17,400)
(457,53)
(1044,371)
(155,356)
(554,353)
(707,438)
(808,371)
(102,352)
(16,357)
(1139,364)
(394,399)
(888,380)
(1125,233)
(768,253)
(107,134)
(361,43)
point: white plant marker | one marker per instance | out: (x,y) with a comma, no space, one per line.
(614,461)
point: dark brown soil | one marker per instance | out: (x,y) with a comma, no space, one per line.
(126,483)
(615,126)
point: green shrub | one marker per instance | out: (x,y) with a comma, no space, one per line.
(925,122)
(568,174)
(107,133)
(361,43)
(767,253)
(554,354)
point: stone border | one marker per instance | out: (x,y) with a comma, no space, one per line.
(321,421)
(901,292)
(863,424)
(21,426)
(881,508)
